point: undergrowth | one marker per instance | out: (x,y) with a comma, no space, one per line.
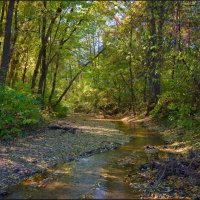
(17,110)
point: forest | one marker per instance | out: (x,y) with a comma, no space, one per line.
(138,59)
(99,56)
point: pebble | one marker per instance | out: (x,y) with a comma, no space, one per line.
(3,193)
(45,149)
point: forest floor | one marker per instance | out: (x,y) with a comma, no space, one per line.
(178,173)
(56,143)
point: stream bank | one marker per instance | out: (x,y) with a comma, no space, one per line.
(46,147)
(130,171)
(177,174)
(100,176)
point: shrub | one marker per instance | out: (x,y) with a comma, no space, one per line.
(175,110)
(61,110)
(17,110)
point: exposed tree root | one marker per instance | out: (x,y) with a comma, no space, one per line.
(182,167)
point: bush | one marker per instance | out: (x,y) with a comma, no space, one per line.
(61,110)
(17,110)
(176,110)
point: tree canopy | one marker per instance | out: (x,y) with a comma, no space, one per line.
(109,56)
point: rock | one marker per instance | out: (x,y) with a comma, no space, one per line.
(166,142)
(150,149)
(33,185)
(143,167)
(16,170)
(192,154)
(3,193)
(87,196)
(48,147)
(166,190)
(89,152)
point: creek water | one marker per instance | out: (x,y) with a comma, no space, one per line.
(101,176)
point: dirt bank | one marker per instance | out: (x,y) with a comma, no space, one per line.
(173,137)
(175,175)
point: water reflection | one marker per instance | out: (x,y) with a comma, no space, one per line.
(100,176)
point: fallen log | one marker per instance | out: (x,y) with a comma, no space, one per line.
(68,129)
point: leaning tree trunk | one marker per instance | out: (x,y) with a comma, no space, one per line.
(6,45)
(74,79)
(67,89)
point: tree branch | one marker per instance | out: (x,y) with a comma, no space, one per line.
(74,78)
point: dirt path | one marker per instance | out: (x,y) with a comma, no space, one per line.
(37,152)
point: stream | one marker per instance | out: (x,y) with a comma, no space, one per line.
(100,176)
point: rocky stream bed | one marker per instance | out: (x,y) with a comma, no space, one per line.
(62,141)
(146,165)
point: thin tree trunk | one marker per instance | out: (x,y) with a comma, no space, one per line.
(44,66)
(35,73)
(74,78)
(132,103)
(13,61)
(14,64)
(62,42)
(159,58)
(6,46)
(25,68)
(145,89)
(1,19)
(54,81)
(151,59)
(67,88)
(16,30)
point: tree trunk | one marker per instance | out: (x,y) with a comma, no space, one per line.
(145,88)
(74,78)
(44,66)
(1,19)
(67,88)
(25,69)
(132,103)
(11,61)
(35,73)
(54,81)
(6,45)
(12,75)
(16,31)
(156,62)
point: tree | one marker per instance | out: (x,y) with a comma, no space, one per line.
(6,46)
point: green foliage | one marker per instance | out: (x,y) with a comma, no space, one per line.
(197,145)
(61,110)
(176,110)
(17,111)
(149,54)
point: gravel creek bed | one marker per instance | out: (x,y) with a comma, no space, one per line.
(45,148)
